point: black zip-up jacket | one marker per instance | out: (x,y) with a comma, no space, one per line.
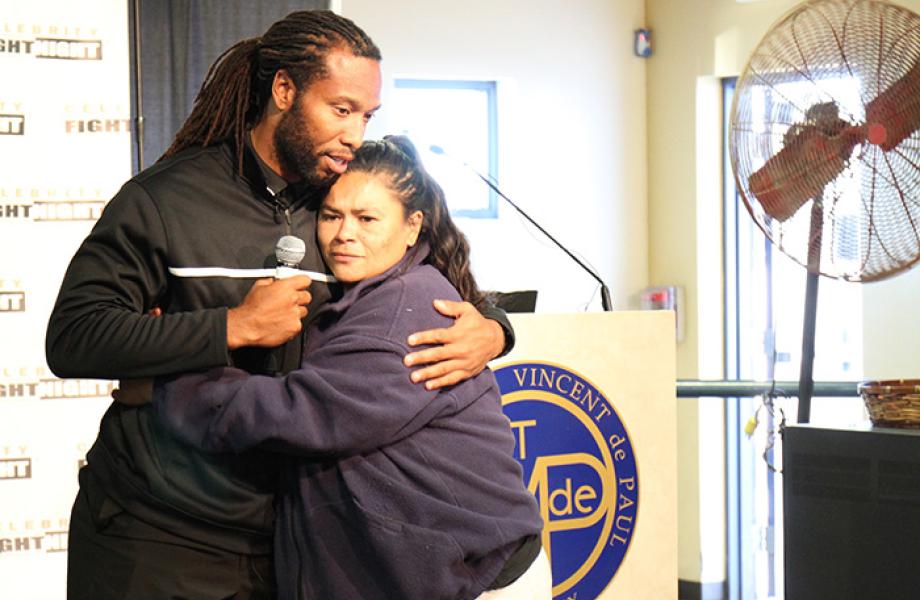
(192,210)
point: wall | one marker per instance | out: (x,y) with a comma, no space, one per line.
(697,42)
(891,346)
(65,149)
(572,133)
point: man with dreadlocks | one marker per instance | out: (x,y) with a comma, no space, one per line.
(277,120)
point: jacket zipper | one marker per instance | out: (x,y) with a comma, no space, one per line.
(288,226)
(281,209)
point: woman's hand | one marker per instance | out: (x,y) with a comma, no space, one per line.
(133,392)
(460,351)
(136,392)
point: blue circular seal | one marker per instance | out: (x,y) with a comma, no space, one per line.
(579,463)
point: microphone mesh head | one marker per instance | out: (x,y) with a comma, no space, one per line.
(290,250)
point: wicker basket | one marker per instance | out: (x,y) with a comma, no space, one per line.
(892,402)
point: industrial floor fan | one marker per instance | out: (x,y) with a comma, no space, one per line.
(825,145)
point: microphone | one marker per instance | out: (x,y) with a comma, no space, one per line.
(289,251)
(605,292)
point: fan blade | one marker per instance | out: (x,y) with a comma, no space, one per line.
(895,114)
(799,172)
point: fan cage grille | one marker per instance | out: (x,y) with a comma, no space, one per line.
(827,111)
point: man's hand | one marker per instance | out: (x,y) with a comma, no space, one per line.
(270,314)
(461,350)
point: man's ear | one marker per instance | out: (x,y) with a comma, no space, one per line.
(283,90)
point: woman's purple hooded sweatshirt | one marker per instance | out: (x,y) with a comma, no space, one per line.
(390,491)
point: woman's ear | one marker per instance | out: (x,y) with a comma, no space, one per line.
(283,90)
(415,227)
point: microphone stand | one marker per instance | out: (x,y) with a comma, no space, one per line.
(605,292)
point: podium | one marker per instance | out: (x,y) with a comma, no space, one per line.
(591,399)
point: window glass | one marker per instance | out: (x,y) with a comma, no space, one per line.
(458,119)
(765,307)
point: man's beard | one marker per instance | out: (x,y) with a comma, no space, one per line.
(296,149)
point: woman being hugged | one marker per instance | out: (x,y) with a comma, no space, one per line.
(390,490)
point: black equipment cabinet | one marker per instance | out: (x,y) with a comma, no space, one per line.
(851,513)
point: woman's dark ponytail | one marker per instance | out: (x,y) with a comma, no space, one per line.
(449,252)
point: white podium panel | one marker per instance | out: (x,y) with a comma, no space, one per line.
(592,402)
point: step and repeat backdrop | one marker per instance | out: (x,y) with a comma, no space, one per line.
(65,149)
